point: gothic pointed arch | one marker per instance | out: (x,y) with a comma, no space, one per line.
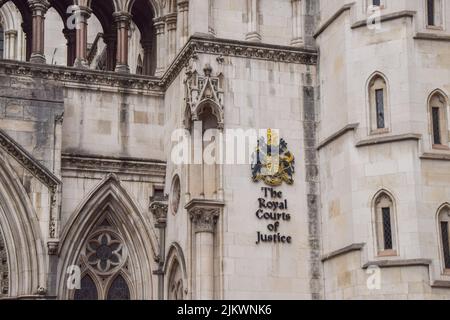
(385,223)
(23,246)
(109,218)
(176,273)
(443,220)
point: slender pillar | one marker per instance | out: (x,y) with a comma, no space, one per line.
(11,45)
(253,21)
(204,215)
(81,38)
(122,20)
(160,59)
(39,9)
(204,220)
(71,38)
(147,45)
(182,21)
(159,209)
(171,26)
(111,43)
(297,27)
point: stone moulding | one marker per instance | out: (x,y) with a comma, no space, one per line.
(204,44)
(117,165)
(28,161)
(346,250)
(198,43)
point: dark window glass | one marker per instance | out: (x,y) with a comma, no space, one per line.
(88,290)
(379,100)
(119,289)
(436,126)
(2,41)
(376,2)
(387,228)
(445,244)
(431,12)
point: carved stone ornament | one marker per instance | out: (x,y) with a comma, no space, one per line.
(202,91)
(272,162)
(159,210)
(204,219)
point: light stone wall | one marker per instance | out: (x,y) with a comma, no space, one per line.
(352,175)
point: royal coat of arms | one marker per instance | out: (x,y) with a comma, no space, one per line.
(272,162)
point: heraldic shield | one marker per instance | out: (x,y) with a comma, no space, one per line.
(272,162)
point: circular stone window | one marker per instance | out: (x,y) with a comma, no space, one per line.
(175,194)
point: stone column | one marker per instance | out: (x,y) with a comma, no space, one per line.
(38,9)
(204,215)
(253,21)
(183,22)
(147,45)
(171,25)
(159,208)
(160,58)
(297,27)
(10,45)
(111,43)
(122,20)
(81,38)
(71,38)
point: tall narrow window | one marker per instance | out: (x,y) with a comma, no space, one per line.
(387,228)
(434,13)
(438,121)
(431,12)
(376,3)
(2,42)
(436,125)
(379,97)
(378,105)
(385,225)
(444,219)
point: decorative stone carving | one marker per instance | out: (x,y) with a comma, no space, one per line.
(204,219)
(159,210)
(204,90)
(4,271)
(197,44)
(142,167)
(52,247)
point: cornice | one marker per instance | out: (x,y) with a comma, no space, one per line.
(137,166)
(83,78)
(197,44)
(28,161)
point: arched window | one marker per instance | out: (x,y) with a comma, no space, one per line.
(385,224)
(379,104)
(444,224)
(176,282)
(437,108)
(119,289)
(88,289)
(104,259)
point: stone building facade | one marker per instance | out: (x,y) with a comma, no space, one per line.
(93,205)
